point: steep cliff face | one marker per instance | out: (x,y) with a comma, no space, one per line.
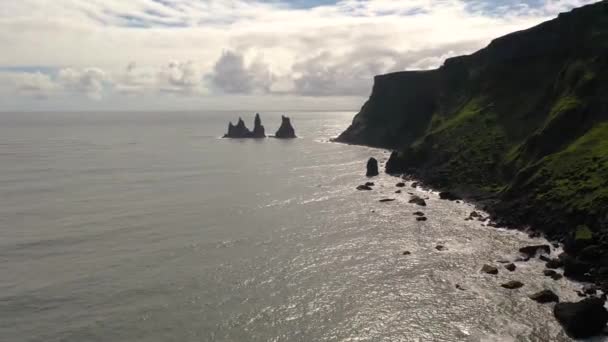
(524,119)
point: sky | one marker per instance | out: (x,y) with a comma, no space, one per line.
(235,54)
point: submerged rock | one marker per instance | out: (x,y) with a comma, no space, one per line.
(489,269)
(384,200)
(417,200)
(582,319)
(370,184)
(552,274)
(418,213)
(286,130)
(511,267)
(398,191)
(372,167)
(364,188)
(440,248)
(406,253)
(544,296)
(421,218)
(512,285)
(400,185)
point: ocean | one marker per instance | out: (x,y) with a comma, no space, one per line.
(150,227)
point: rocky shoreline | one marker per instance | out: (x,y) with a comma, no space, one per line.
(585,318)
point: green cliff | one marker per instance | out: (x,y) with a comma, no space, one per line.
(523,121)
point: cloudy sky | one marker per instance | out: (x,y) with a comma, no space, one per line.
(235,54)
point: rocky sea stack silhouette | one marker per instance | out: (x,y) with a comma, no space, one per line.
(241,131)
(286,130)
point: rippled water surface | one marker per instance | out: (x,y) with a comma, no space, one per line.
(147,227)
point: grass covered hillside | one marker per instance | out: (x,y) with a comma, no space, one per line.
(523,120)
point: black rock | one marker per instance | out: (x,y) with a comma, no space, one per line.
(406,253)
(575,268)
(422,218)
(531,251)
(396,164)
(440,248)
(511,267)
(545,296)
(418,200)
(384,200)
(258,129)
(582,319)
(364,187)
(552,274)
(489,269)
(370,184)
(372,167)
(415,185)
(544,258)
(554,264)
(398,191)
(419,213)
(238,131)
(286,130)
(590,289)
(512,285)
(450,196)
(400,185)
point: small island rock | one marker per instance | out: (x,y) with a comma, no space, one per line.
(286,130)
(372,167)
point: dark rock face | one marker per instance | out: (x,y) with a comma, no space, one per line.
(512,285)
(489,269)
(545,296)
(531,251)
(372,168)
(286,130)
(258,129)
(583,319)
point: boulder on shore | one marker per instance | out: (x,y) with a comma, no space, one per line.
(450,196)
(489,269)
(418,200)
(582,319)
(372,167)
(531,251)
(512,285)
(286,130)
(545,296)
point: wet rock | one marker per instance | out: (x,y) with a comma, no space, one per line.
(419,213)
(398,191)
(531,251)
(534,235)
(450,196)
(415,185)
(589,289)
(421,219)
(552,274)
(385,200)
(582,319)
(406,253)
(489,269)
(286,130)
(512,285)
(364,188)
(522,259)
(511,267)
(544,258)
(372,167)
(545,296)
(418,200)
(440,248)
(400,185)
(554,264)
(592,252)
(459,287)
(575,268)
(370,184)
(503,261)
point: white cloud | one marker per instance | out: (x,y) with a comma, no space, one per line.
(212,47)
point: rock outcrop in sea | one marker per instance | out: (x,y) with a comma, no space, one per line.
(372,167)
(240,131)
(286,130)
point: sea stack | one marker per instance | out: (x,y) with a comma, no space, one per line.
(240,131)
(372,167)
(258,129)
(286,130)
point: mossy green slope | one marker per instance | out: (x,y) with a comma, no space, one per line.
(525,119)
